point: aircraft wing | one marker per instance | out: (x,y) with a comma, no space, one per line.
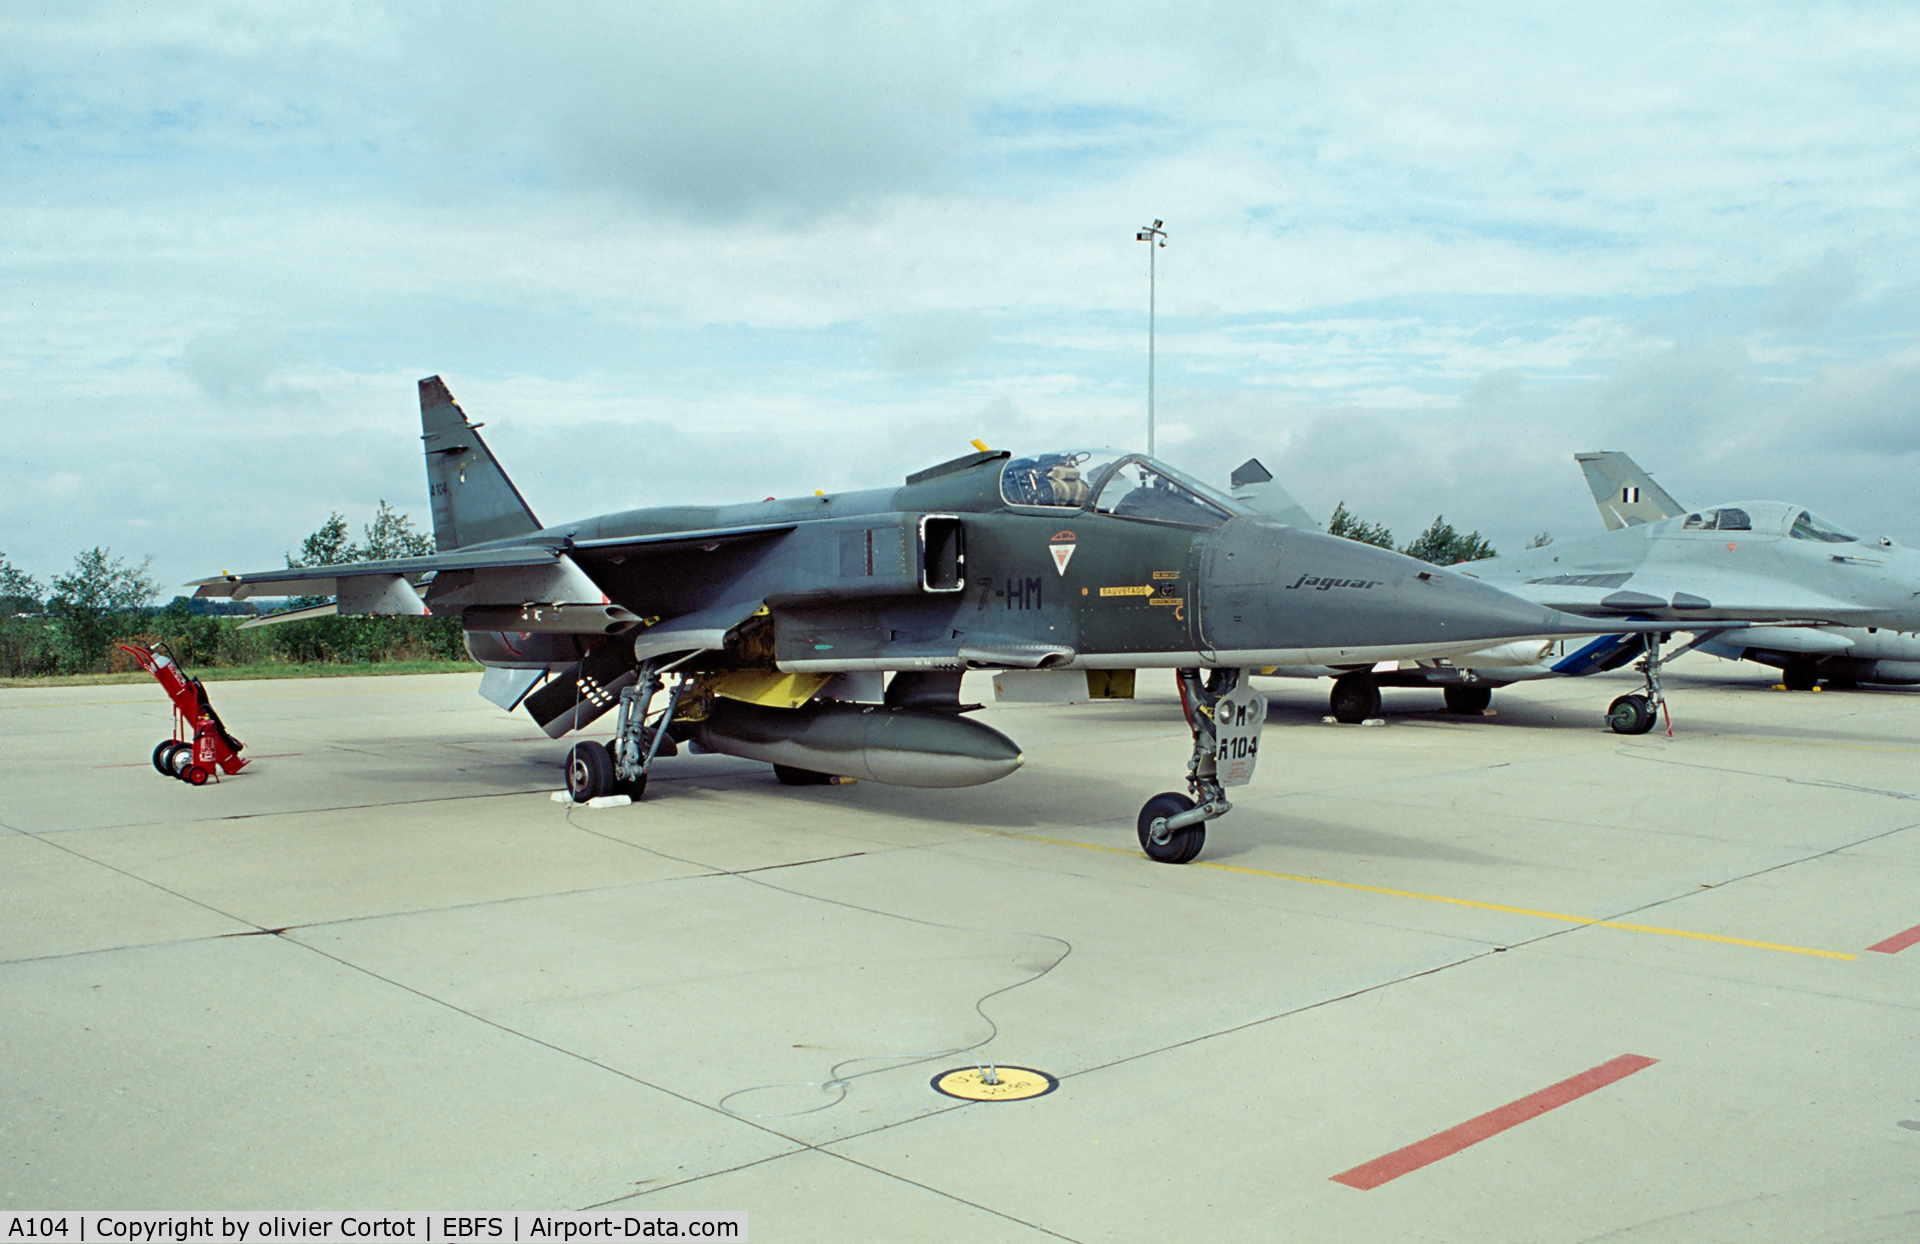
(537,571)
(1688,602)
(382,587)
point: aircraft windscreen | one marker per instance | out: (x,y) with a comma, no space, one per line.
(1143,488)
(1809,527)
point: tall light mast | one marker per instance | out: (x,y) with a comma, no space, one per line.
(1155,237)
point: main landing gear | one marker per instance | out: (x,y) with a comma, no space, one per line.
(620,767)
(1355,698)
(1225,715)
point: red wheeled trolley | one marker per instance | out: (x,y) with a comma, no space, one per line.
(200,745)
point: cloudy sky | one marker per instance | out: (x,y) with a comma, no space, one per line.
(1419,256)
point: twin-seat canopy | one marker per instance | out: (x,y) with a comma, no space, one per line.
(1800,524)
(1121,484)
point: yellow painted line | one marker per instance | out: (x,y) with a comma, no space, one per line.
(1457,902)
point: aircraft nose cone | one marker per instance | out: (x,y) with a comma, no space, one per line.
(1324,592)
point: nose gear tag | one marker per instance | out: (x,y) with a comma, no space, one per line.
(1237,718)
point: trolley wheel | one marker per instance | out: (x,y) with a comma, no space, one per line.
(196,775)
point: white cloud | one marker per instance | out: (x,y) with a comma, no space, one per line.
(1418,257)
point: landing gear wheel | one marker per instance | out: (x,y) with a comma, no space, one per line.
(1468,699)
(1800,674)
(1180,845)
(176,759)
(196,775)
(790,776)
(589,772)
(1354,699)
(160,755)
(1630,714)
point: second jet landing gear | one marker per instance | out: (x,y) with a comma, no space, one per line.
(1225,714)
(1635,714)
(620,767)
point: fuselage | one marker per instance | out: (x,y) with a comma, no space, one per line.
(1754,561)
(1083,559)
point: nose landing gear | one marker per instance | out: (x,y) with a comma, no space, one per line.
(1225,714)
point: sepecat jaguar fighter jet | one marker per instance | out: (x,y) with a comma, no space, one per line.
(770,628)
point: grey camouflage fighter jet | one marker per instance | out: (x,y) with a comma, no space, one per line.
(770,626)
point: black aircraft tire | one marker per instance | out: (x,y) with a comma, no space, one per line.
(1182,844)
(1630,714)
(790,776)
(589,772)
(1354,699)
(177,758)
(160,756)
(1468,699)
(1800,674)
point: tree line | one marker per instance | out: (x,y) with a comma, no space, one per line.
(70,624)
(1440,544)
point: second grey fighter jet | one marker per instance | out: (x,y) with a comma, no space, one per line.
(1842,655)
(775,621)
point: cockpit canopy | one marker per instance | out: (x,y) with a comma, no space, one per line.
(1124,485)
(1770,516)
(1726,519)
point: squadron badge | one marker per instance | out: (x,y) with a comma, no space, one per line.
(1061,546)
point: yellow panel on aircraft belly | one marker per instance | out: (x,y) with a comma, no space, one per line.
(770,687)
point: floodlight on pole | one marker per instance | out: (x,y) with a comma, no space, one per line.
(1155,237)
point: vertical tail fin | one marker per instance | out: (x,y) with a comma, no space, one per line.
(1626,495)
(473,500)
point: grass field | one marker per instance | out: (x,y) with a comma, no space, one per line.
(262,669)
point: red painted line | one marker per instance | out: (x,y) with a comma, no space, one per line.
(1898,942)
(1369,1175)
